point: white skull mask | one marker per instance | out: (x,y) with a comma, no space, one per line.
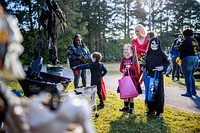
(154,45)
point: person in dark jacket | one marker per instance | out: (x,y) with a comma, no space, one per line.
(97,70)
(175,67)
(189,57)
(156,60)
(78,53)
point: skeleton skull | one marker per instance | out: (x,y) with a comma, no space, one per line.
(154,45)
(11,48)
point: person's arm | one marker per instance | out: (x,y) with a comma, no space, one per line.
(121,68)
(165,63)
(83,66)
(134,68)
(104,71)
(71,54)
(86,49)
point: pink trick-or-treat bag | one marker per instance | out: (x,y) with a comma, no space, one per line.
(127,87)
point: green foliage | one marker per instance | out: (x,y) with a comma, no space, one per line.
(167,39)
(102,21)
(29,45)
(113,51)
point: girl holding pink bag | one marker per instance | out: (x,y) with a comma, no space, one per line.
(129,66)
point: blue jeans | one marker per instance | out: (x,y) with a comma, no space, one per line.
(189,65)
(77,75)
(169,68)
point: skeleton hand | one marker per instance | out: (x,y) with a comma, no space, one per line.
(159,68)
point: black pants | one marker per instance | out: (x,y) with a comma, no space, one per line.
(175,69)
(99,93)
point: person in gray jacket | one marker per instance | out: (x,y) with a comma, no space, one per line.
(78,53)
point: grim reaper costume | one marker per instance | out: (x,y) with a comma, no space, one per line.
(156,60)
(48,20)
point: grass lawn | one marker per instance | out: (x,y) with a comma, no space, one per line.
(111,120)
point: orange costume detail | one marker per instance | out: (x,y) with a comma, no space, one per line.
(140,49)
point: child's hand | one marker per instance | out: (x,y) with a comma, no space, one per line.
(81,58)
(128,66)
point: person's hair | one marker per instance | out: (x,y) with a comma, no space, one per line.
(151,34)
(188,32)
(128,45)
(97,56)
(134,54)
(77,35)
(2,8)
(140,28)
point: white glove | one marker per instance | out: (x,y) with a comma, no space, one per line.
(159,68)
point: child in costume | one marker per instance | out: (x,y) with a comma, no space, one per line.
(156,60)
(130,63)
(97,70)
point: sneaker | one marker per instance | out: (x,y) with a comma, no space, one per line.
(178,81)
(186,95)
(149,113)
(102,104)
(194,94)
(124,109)
(131,111)
(173,80)
(158,115)
(167,75)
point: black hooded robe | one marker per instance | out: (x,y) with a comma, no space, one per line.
(156,58)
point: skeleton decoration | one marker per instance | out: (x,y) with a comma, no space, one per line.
(71,113)
(48,20)
(12,112)
(33,115)
(10,47)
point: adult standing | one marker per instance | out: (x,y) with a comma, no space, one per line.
(78,53)
(140,43)
(189,56)
(174,55)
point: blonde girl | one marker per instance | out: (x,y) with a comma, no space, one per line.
(130,62)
